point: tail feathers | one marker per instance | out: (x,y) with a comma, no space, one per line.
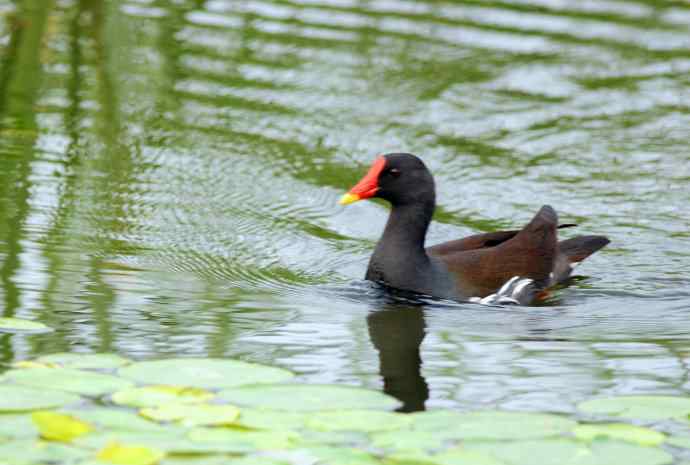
(546,218)
(581,247)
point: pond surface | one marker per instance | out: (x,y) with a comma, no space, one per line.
(169,173)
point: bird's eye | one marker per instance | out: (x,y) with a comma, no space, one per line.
(395,172)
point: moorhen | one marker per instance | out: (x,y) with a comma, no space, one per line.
(496,267)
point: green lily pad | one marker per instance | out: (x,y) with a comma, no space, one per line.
(412,458)
(311,438)
(66,379)
(203,373)
(276,420)
(492,424)
(462,456)
(23,398)
(679,441)
(621,431)
(358,420)
(85,361)
(308,397)
(112,419)
(405,441)
(340,456)
(18,325)
(225,460)
(17,426)
(153,396)
(30,451)
(639,407)
(246,441)
(193,415)
(570,452)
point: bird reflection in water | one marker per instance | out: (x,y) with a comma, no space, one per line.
(397,332)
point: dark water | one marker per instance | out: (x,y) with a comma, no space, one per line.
(169,173)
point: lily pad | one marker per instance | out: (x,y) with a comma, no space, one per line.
(340,456)
(124,454)
(639,407)
(153,396)
(59,427)
(85,361)
(566,451)
(203,373)
(462,456)
(622,431)
(18,325)
(193,415)
(358,420)
(17,426)
(418,442)
(308,397)
(246,441)
(112,419)
(30,451)
(22,398)
(66,379)
(271,419)
(492,424)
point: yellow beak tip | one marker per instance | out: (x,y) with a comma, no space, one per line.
(348,199)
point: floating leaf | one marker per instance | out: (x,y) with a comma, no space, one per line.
(308,397)
(358,420)
(271,419)
(59,427)
(566,451)
(679,441)
(193,415)
(409,441)
(111,419)
(492,424)
(17,426)
(153,396)
(33,364)
(412,458)
(66,379)
(340,456)
(246,441)
(639,407)
(462,456)
(85,361)
(225,460)
(203,373)
(30,451)
(18,325)
(622,431)
(121,454)
(22,398)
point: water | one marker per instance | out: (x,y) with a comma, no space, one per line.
(169,173)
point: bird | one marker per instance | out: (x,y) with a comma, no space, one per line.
(516,266)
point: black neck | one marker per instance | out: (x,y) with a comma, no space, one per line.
(407,225)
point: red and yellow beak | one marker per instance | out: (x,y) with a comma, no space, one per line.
(367,186)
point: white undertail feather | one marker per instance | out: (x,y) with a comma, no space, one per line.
(510,293)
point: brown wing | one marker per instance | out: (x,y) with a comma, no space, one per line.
(476,241)
(482,269)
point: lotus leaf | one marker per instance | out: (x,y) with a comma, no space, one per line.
(70,380)
(203,373)
(153,396)
(23,398)
(639,407)
(622,431)
(193,415)
(85,361)
(358,420)
(308,397)
(492,424)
